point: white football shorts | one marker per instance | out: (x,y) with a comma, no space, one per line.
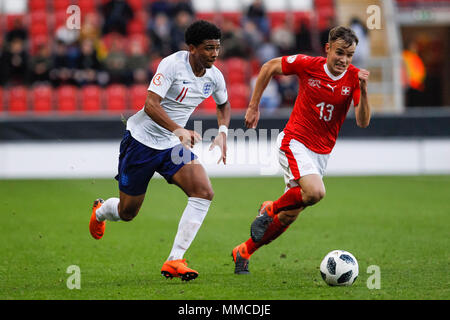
(297,160)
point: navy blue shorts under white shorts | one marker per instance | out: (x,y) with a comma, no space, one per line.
(138,163)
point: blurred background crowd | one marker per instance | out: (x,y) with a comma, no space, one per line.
(121,42)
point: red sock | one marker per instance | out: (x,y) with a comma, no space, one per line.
(291,199)
(274,230)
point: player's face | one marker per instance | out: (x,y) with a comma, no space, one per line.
(206,53)
(339,56)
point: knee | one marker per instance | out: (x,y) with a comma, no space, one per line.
(204,193)
(128,213)
(208,194)
(313,196)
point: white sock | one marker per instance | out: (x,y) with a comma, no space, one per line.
(190,222)
(109,210)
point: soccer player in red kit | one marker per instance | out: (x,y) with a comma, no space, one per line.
(328,88)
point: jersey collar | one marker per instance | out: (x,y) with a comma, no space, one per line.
(334,78)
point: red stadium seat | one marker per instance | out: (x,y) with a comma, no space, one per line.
(235,17)
(59,19)
(136,26)
(37,5)
(136,5)
(116,98)
(239,96)
(220,64)
(237,70)
(41,99)
(38,17)
(138,93)
(142,39)
(60,5)
(277,18)
(12,18)
(87,5)
(154,65)
(301,17)
(37,29)
(91,99)
(66,99)
(17,100)
(208,16)
(38,40)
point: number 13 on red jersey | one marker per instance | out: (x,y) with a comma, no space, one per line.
(326,111)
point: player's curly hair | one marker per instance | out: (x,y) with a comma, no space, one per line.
(201,30)
(343,33)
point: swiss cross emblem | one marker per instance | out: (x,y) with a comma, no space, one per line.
(345,91)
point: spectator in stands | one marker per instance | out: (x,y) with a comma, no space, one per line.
(256,12)
(284,38)
(116,63)
(158,7)
(15,63)
(288,87)
(271,98)
(252,36)
(18,31)
(182,20)
(62,69)
(41,65)
(159,32)
(323,36)
(303,39)
(414,75)
(116,14)
(267,51)
(69,36)
(182,5)
(233,43)
(362,55)
(137,64)
(88,64)
(90,29)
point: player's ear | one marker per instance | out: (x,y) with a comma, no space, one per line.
(327,47)
(192,49)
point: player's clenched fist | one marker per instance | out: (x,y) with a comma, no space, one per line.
(363,76)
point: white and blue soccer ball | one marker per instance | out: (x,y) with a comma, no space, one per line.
(339,268)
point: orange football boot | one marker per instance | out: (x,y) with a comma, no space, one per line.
(241,259)
(262,221)
(178,269)
(96,227)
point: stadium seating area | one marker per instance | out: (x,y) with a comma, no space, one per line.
(94,70)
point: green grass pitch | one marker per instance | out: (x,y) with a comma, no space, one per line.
(400,224)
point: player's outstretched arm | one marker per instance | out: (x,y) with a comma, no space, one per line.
(154,110)
(268,70)
(362,112)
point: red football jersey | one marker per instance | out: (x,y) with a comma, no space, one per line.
(322,102)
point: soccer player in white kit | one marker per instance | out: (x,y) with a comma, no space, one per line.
(155,141)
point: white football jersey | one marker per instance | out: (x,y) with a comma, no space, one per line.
(181,93)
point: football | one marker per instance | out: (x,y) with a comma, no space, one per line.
(339,268)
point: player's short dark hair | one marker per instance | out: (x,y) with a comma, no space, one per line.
(201,30)
(343,33)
